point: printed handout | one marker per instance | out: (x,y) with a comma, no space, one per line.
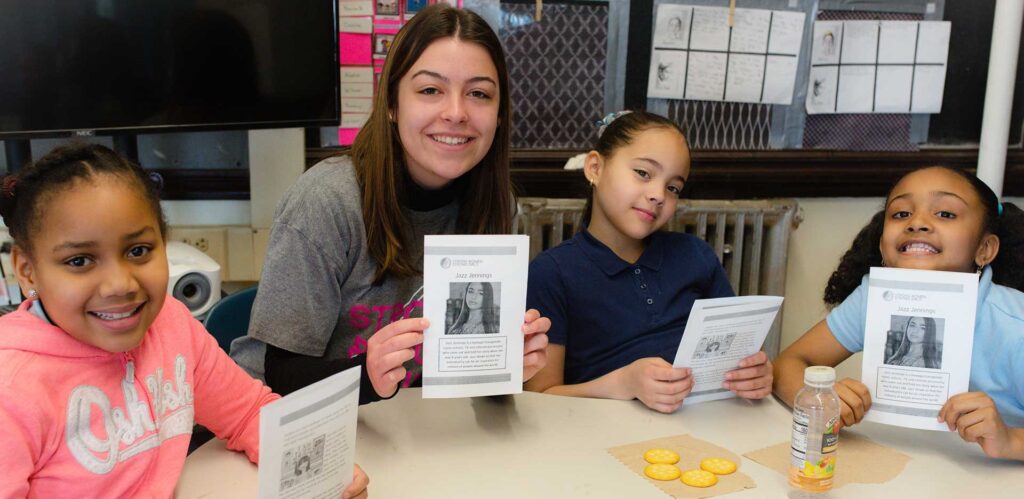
(474,295)
(308,439)
(918,338)
(719,334)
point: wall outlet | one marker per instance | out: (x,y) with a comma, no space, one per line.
(209,240)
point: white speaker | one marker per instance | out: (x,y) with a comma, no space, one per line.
(194,277)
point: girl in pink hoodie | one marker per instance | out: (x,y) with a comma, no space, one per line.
(102,376)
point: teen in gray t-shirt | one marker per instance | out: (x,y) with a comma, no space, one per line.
(317,295)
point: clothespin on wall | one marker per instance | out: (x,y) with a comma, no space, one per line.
(536,11)
(732,11)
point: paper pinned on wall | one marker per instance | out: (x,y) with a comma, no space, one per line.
(892,89)
(879,66)
(672,27)
(710,29)
(896,42)
(860,43)
(856,89)
(779,75)
(706,72)
(929,84)
(696,54)
(750,31)
(745,78)
(668,73)
(355,49)
(786,32)
(355,8)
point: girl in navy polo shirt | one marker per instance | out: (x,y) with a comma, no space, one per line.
(619,293)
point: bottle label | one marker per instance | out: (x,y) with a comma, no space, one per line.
(821,464)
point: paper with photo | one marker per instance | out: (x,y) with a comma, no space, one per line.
(929,85)
(710,29)
(719,334)
(856,89)
(787,32)
(706,76)
(892,89)
(933,42)
(918,339)
(779,80)
(668,74)
(896,42)
(745,78)
(821,89)
(474,295)
(308,439)
(828,38)
(672,27)
(860,42)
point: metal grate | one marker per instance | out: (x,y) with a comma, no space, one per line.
(723,125)
(557,69)
(751,238)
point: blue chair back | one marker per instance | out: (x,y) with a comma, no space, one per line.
(229,318)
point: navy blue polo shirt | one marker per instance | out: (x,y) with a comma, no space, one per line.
(608,312)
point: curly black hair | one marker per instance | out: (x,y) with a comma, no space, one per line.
(26,192)
(1008,226)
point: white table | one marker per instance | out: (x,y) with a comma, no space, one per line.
(534,445)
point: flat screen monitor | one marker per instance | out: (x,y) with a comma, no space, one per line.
(106,67)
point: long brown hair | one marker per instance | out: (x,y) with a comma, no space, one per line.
(486,203)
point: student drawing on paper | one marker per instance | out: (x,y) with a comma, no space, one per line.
(664,76)
(818,83)
(916,345)
(675,28)
(828,43)
(476,312)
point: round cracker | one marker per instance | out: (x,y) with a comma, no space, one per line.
(662,472)
(718,466)
(699,478)
(661,456)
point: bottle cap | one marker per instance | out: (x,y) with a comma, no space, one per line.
(819,376)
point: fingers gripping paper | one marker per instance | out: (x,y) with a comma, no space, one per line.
(691,452)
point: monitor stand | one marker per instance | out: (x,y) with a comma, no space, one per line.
(18,153)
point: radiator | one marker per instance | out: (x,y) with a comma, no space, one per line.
(751,238)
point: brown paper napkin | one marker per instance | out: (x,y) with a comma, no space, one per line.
(858,460)
(691,451)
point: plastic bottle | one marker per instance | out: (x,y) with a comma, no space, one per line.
(815,431)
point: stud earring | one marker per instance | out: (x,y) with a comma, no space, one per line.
(33,294)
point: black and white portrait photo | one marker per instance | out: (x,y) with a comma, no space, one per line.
(914,341)
(473,308)
(710,347)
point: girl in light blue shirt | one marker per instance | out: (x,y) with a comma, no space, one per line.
(935,219)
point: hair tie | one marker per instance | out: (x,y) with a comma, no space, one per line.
(8,186)
(1000,209)
(603,123)
(157,180)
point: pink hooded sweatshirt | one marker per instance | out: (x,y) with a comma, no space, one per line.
(78,421)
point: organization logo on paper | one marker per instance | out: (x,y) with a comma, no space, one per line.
(446,263)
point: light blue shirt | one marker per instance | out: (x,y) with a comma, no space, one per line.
(997,360)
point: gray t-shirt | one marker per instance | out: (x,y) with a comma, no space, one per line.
(316,295)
